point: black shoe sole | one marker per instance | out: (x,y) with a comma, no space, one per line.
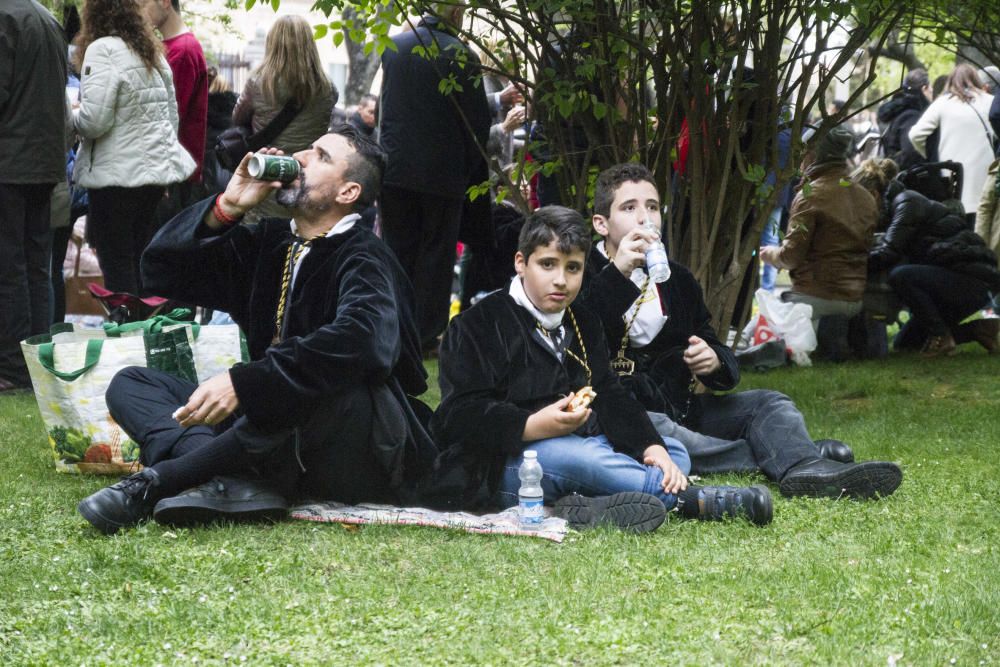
(858,480)
(185,511)
(629,510)
(761,511)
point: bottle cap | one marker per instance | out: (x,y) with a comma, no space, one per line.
(531,454)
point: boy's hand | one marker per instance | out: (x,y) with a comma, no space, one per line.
(213,400)
(553,421)
(769,254)
(700,357)
(244,192)
(632,250)
(674,480)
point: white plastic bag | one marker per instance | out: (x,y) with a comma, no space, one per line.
(792,322)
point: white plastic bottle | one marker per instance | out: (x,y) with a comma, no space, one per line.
(657,263)
(530,496)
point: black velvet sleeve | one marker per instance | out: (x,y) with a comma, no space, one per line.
(609,294)
(189,261)
(473,372)
(622,418)
(359,346)
(728,374)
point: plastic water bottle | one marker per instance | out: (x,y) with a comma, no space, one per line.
(657,263)
(530,496)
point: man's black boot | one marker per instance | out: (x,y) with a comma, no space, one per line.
(829,479)
(224,498)
(629,510)
(714,503)
(835,450)
(122,505)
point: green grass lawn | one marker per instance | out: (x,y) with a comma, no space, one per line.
(913,579)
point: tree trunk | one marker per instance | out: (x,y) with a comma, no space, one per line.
(361,67)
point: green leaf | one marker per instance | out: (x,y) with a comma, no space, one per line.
(319,31)
(275,4)
(248,5)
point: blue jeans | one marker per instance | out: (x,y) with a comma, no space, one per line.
(590,467)
(769,236)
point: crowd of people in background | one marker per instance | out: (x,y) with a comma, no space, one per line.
(140,148)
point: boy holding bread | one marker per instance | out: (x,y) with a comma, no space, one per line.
(526,369)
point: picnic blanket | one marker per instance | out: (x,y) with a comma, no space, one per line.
(505,523)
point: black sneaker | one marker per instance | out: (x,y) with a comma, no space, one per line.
(829,479)
(121,505)
(629,510)
(222,499)
(715,503)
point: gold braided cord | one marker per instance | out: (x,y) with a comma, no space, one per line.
(638,307)
(295,251)
(583,348)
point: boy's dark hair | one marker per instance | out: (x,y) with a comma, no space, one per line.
(609,180)
(177,5)
(558,223)
(365,166)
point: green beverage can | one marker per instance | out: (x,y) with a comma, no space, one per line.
(266,167)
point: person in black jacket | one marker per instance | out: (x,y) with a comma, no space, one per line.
(663,345)
(899,114)
(432,140)
(33,109)
(323,408)
(507,368)
(940,269)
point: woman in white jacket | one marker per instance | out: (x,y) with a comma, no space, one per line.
(127,120)
(962,113)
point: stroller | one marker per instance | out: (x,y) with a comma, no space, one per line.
(122,307)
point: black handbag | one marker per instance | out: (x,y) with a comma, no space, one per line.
(236,142)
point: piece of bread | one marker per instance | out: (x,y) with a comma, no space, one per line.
(581,399)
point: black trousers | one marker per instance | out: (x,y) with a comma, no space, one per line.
(938,300)
(329,458)
(120,223)
(422,230)
(24,272)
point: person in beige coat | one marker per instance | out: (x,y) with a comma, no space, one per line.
(127,120)
(988,214)
(291,70)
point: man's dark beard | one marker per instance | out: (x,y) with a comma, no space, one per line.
(298,198)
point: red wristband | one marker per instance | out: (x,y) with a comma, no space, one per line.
(221,215)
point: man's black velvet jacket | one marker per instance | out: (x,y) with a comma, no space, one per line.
(661,380)
(496,369)
(349,320)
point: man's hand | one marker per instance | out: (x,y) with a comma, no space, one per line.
(631,253)
(515,118)
(700,357)
(674,480)
(244,192)
(769,254)
(510,95)
(213,400)
(553,421)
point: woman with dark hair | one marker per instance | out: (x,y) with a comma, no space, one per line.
(291,70)
(939,268)
(127,120)
(961,113)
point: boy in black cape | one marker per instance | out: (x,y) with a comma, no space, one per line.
(323,409)
(661,341)
(507,368)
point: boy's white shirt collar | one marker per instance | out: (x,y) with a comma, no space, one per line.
(650,321)
(547,320)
